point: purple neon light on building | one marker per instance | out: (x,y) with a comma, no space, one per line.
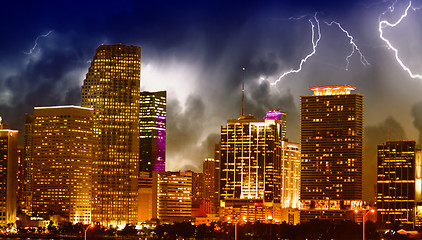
(273,114)
(152,131)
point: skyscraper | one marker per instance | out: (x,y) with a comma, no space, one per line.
(398,182)
(8,169)
(152,118)
(251,167)
(111,88)
(62,158)
(331,142)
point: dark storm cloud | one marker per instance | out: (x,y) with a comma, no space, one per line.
(388,130)
(184,126)
(211,41)
(44,78)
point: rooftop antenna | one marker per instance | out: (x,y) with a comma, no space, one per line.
(243,92)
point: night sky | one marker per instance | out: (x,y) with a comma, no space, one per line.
(196,50)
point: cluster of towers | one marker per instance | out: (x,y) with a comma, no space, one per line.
(104,161)
(83,162)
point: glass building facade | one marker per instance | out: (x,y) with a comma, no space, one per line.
(152,119)
(112,88)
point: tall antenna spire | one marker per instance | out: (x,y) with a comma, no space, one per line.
(243,92)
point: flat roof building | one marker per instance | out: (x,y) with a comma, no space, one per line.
(62,140)
(331,148)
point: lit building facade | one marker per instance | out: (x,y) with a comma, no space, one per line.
(20,174)
(8,170)
(111,88)
(331,147)
(209,167)
(152,119)
(399,182)
(172,196)
(251,175)
(27,164)
(62,148)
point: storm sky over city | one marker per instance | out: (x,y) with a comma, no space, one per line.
(196,51)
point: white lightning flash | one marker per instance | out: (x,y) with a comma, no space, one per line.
(354,46)
(36,42)
(315,41)
(384,23)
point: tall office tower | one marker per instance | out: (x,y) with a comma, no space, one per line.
(209,196)
(172,196)
(111,88)
(27,164)
(251,166)
(152,142)
(8,169)
(399,182)
(62,148)
(331,142)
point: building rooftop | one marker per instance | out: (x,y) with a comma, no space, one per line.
(332,90)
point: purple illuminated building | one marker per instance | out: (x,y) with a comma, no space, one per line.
(152,119)
(275,114)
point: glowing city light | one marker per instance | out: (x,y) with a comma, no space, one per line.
(332,90)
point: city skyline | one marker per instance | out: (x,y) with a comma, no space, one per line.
(196,52)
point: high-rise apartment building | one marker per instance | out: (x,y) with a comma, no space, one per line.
(398,182)
(251,174)
(331,143)
(152,119)
(8,169)
(62,158)
(172,196)
(111,88)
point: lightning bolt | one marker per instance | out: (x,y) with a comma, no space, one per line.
(354,46)
(315,41)
(36,42)
(384,23)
